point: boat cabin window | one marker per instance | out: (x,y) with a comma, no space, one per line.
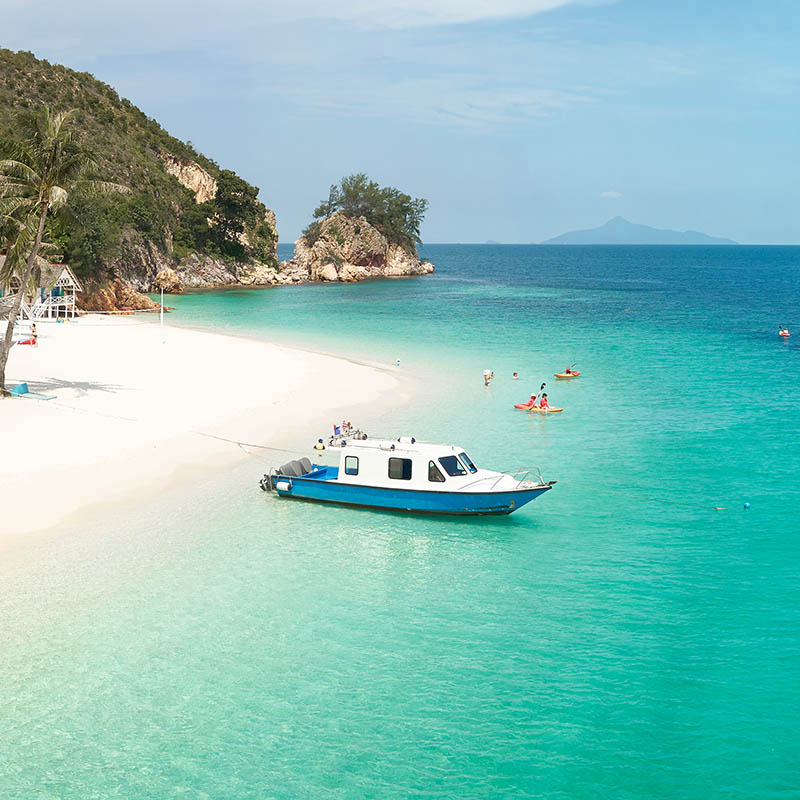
(400,469)
(467,461)
(452,466)
(351,465)
(434,474)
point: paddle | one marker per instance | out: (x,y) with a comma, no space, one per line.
(533,404)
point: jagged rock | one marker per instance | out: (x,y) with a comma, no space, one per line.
(271,220)
(350,249)
(399,263)
(113,295)
(325,272)
(168,280)
(139,261)
(347,250)
(191,175)
(203,271)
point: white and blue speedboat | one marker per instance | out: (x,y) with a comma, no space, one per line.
(407,475)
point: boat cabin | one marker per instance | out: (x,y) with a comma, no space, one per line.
(406,464)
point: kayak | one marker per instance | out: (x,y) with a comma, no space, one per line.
(785,335)
(562,375)
(528,407)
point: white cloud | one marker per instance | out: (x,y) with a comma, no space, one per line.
(417,13)
(151,24)
(611,195)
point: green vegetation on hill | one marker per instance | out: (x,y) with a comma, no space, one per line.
(396,215)
(127,144)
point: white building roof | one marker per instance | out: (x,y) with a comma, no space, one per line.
(53,275)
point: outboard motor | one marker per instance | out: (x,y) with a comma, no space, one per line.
(291,469)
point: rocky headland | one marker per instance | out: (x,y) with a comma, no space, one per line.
(185,222)
(350,249)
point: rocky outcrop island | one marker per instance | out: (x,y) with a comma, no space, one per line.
(186,222)
(361,231)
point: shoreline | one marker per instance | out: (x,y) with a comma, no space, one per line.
(142,409)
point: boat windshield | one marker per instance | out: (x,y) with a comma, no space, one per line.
(452,466)
(467,461)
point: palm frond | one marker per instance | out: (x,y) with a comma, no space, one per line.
(11,187)
(13,168)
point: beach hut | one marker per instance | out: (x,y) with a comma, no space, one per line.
(54,298)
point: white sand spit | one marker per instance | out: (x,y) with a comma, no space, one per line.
(135,404)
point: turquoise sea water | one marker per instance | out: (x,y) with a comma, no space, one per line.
(616,638)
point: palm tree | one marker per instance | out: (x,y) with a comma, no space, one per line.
(35,181)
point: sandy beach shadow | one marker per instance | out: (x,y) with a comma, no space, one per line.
(82,387)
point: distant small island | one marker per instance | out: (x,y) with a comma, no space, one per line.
(620,231)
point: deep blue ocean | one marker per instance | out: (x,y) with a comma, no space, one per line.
(632,634)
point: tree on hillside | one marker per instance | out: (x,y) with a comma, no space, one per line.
(396,214)
(37,175)
(231,225)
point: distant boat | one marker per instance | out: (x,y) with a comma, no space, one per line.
(407,475)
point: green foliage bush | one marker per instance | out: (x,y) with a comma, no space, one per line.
(127,144)
(397,215)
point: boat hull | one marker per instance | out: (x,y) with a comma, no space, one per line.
(408,500)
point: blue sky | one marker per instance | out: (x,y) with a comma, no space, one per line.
(517,119)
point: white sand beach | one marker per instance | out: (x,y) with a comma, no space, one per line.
(137,408)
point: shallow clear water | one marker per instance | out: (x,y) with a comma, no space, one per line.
(618,637)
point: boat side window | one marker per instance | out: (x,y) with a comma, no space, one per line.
(351,465)
(400,469)
(434,474)
(452,466)
(467,462)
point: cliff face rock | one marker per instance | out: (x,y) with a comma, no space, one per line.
(139,261)
(168,281)
(350,249)
(347,249)
(191,175)
(198,272)
(113,295)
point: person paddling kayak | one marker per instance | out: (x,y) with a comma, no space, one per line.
(544,405)
(535,397)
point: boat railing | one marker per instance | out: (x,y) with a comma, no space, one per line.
(525,476)
(352,434)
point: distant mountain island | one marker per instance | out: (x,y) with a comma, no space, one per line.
(620,231)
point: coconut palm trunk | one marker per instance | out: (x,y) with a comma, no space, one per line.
(5,347)
(37,176)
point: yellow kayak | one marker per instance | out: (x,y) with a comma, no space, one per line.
(562,375)
(546,410)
